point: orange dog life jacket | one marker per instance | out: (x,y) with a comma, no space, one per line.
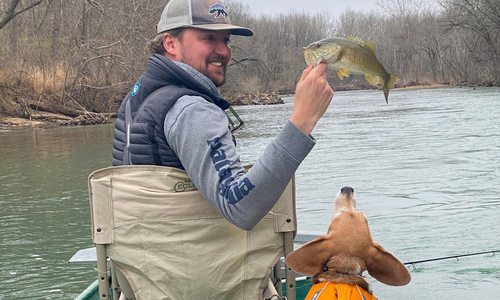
(338,291)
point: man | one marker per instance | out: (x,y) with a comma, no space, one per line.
(175,117)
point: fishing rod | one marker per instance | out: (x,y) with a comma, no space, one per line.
(450,257)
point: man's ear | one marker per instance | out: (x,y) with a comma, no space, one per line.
(170,45)
(311,257)
(386,268)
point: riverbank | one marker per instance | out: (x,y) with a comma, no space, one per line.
(47,120)
(46,117)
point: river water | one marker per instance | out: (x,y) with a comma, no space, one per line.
(425,168)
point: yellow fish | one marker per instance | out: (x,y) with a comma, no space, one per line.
(350,55)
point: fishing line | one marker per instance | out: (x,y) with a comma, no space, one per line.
(450,257)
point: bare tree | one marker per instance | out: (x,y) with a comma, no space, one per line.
(482,18)
(16,8)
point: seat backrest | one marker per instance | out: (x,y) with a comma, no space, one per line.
(170,243)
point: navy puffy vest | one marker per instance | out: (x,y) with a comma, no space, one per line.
(148,144)
(153,95)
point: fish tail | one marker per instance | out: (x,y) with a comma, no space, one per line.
(389,84)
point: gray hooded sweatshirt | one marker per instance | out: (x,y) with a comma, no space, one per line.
(198,133)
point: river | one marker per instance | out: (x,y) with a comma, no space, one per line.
(425,168)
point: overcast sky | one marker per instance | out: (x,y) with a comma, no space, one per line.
(335,7)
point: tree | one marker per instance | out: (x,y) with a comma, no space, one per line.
(15,8)
(482,19)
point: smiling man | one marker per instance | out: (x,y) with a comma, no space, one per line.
(174,115)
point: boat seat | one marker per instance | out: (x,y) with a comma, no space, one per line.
(165,241)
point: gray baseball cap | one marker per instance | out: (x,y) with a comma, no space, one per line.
(203,14)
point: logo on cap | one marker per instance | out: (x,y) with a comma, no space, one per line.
(217,9)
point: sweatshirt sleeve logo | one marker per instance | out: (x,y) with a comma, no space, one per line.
(231,190)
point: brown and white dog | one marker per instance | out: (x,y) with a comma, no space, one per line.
(347,250)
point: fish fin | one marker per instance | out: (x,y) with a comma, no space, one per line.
(356,39)
(342,72)
(368,44)
(371,46)
(318,61)
(389,84)
(372,79)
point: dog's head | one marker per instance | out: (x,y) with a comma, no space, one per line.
(348,248)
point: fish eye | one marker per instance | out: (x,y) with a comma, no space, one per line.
(317,46)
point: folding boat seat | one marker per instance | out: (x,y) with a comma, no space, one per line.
(165,241)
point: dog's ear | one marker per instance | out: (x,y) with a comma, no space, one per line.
(311,257)
(386,268)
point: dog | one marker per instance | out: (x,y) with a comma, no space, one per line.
(337,260)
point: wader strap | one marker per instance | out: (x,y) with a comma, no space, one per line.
(128,121)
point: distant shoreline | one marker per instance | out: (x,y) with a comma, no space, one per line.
(49,120)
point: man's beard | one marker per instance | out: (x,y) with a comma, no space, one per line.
(187,60)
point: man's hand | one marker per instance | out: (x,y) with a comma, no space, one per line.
(312,98)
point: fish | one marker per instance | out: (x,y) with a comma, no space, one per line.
(351,55)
